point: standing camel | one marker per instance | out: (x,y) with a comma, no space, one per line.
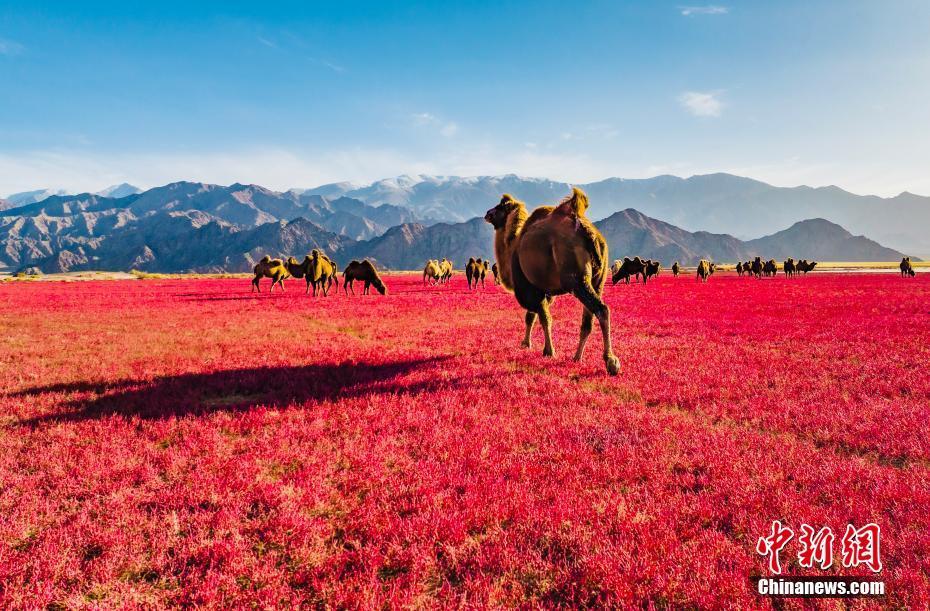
(553,251)
(269,268)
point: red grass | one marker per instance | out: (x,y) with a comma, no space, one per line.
(185,442)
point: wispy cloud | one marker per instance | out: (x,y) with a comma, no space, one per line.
(268,43)
(711,9)
(445,128)
(327,64)
(702,104)
(10,47)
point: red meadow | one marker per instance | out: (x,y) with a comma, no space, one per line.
(187,442)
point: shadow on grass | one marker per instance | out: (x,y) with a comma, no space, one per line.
(232,390)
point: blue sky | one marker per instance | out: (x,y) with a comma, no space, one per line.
(297,94)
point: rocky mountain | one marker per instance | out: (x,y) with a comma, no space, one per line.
(5,204)
(201,227)
(65,231)
(821,240)
(408,246)
(630,232)
(721,203)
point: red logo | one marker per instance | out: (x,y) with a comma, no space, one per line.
(858,546)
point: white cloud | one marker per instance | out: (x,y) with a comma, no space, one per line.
(702,104)
(710,9)
(10,47)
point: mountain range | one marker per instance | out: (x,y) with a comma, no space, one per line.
(189,226)
(722,203)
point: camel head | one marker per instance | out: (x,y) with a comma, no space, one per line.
(499,214)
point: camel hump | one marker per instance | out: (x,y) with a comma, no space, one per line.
(575,204)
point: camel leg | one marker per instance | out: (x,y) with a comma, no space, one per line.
(530,321)
(590,300)
(255,285)
(307,292)
(545,321)
(587,319)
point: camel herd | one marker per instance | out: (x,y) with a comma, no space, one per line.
(319,271)
(551,251)
(475,271)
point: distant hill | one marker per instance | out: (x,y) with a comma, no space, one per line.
(31,197)
(722,203)
(201,227)
(822,240)
(632,233)
(121,190)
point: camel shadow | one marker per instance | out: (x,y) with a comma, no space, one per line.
(232,390)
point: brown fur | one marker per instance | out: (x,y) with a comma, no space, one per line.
(676,269)
(497,275)
(365,272)
(906,268)
(553,251)
(269,268)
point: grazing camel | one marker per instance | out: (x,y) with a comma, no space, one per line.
(622,270)
(365,272)
(269,268)
(704,270)
(471,271)
(676,269)
(553,251)
(431,272)
(906,268)
(497,274)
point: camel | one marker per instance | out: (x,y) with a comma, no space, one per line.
(805,266)
(705,269)
(739,269)
(770,268)
(320,272)
(483,267)
(431,272)
(471,272)
(906,268)
(365,272)
(757,266)
(553,251)
(788,266)
(628,267)
(497,274)
(445,270)
(652,269)
(676,269)
(269,268)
